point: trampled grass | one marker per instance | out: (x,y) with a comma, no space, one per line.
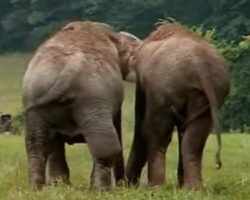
(231,182)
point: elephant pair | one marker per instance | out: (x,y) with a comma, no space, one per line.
(73,92)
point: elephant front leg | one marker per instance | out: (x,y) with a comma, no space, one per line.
(37,147)
(57,168)
(159,124)
(193,143)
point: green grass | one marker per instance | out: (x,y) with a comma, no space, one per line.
(231,182)
(12,68)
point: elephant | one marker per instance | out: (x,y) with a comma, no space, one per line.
(72,92)
(182,82)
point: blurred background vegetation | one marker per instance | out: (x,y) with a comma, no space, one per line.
(24,24)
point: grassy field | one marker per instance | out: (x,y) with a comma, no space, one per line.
(12,68)
(231,182)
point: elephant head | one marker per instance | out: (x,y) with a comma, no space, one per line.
(126,44)
(130,43)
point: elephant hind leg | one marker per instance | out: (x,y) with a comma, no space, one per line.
(57,168)
(105,149)
(158,127)
(159,135)
(193,143)
(104,146)
(37,147)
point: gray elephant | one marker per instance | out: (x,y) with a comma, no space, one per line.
(72,92)
(182,82)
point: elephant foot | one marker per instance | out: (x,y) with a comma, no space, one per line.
(192,180)
(57,179)
(155,185)
(57,170)
(121,183)
(102,182)
(36,181)
(119,171)
(156,169)
(133,172)
(192,186)
(133,182)
(101,177)
(157,182)
(36,172)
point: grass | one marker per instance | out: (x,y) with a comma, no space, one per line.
(12,68)
(231,182)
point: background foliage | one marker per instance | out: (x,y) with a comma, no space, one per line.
(24,24)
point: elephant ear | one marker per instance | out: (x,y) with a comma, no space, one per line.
(131,43)
(104,26)
(76,25)
(130,36)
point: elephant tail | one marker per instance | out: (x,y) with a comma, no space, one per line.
(209,91)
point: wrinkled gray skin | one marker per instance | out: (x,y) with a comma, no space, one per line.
(182,82)
(72,92)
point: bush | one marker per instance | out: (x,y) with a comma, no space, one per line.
(234,114)
(17,124)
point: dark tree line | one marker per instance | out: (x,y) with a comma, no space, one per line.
(24,24)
